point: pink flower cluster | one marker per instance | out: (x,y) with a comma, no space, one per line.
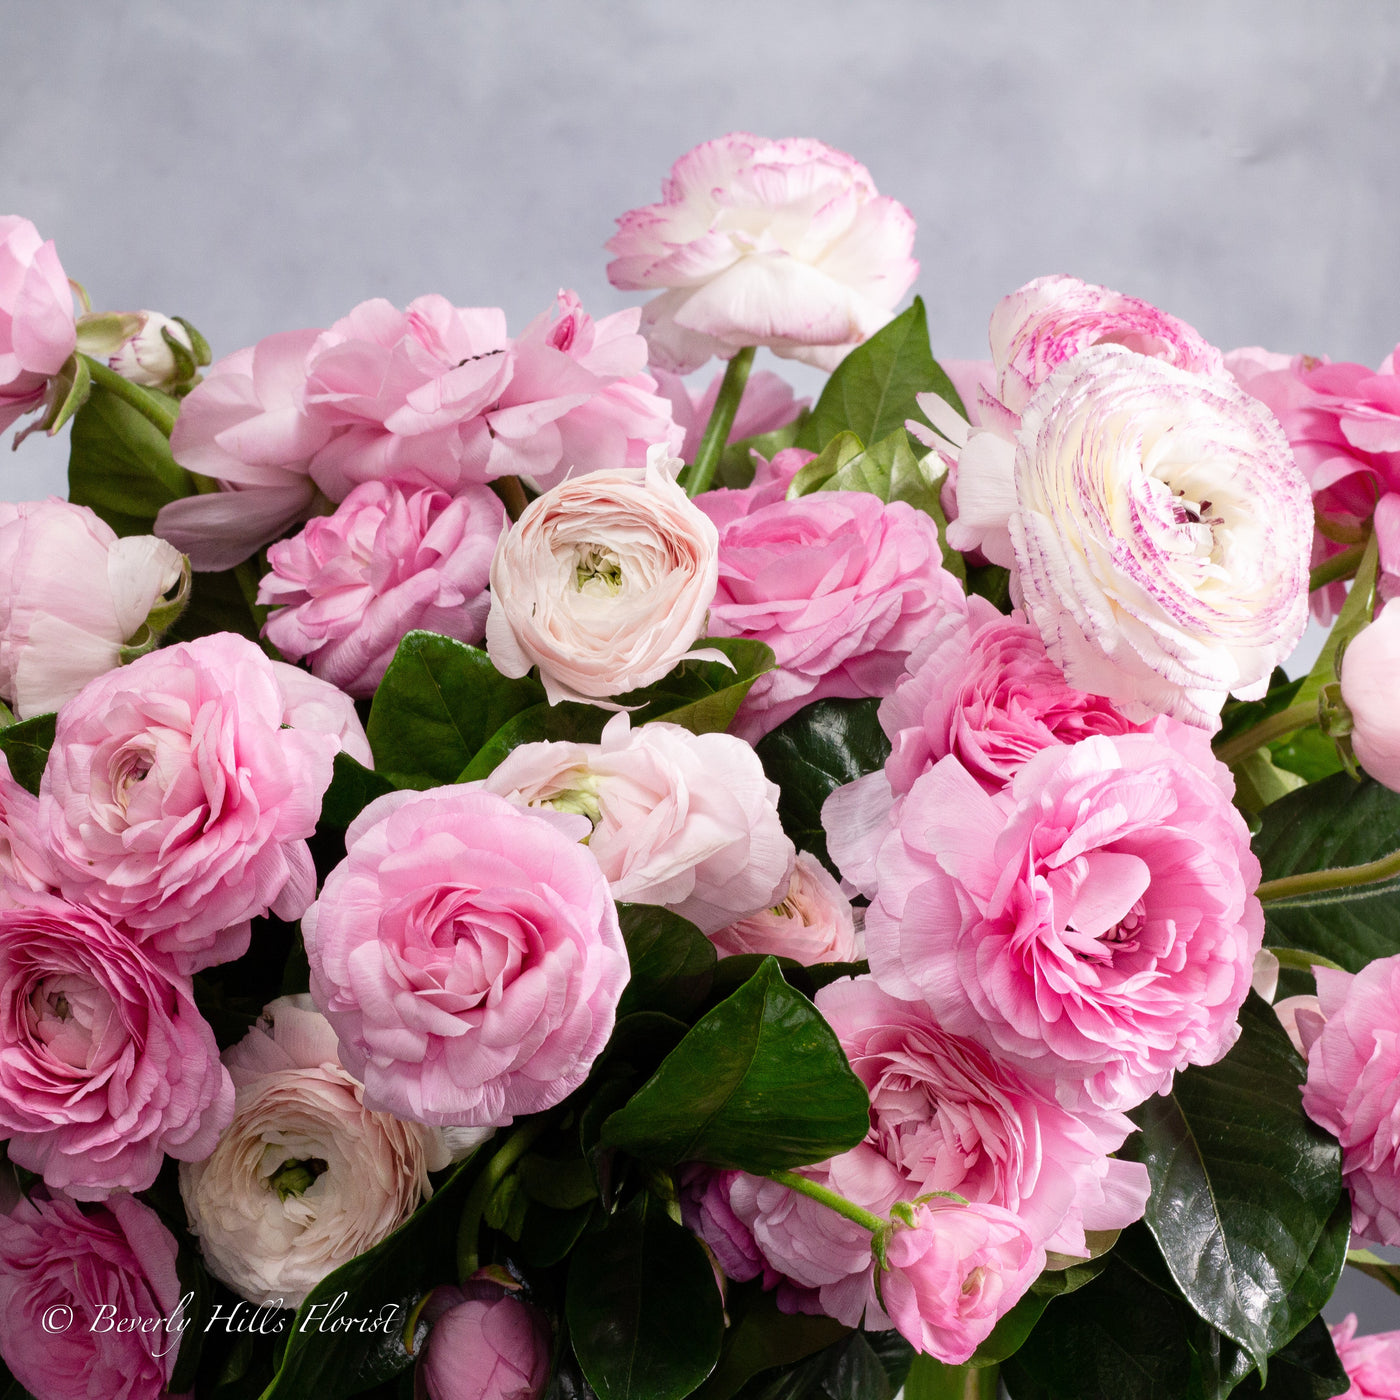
(37,330)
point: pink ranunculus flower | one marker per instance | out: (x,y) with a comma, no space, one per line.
(603,583)
(105,1264)
(106,1065)
(72,595)
(951,1117)
(318,707)
(1353,1088)
(707,1213)
(175,801)
(244,427)
(756,242)
(484,1344)
(1370,681)
(22,856)
(305,1177)
(37,331)
(350,585)
(1372,1363)
(812,923)
(952,1272)
(840,585)
(767,405)
(688,821)
(1161,531)
(1095,922)
(468,954)
(1343,424)
(770,483)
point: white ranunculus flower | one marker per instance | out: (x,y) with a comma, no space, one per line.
(305,1177)
(604,583)
(1161,531)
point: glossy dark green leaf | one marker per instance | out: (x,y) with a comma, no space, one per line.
(758,1083)
(673,963)
(855,1368)
(704,696)
(439,702)
(1335,822)
(761,1337)
(645,1317)
(381,1285)
(217,604)
(1243,1186)
(873,390)
(1015,1326)
(26,745)
(542,723)
(550,1234)
(823,746)
(119,464)
(1306,1369)
(353,787)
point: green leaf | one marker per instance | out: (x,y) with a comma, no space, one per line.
(1335,822)
(673,963)
(853,1369)
(841,450)
(563,723)
(1243,1186)
(736,464)
(704,696)
(1015,1326)
(759,1083)
(930,1379)
(120,465)
(353,787)
(823,746)
(381,1285)
(217,604)
(761,1337)
(1309,753)
(1308,1368)
(1373,1266)
(1355,614)
(439,702)
(644,1315)
(27,746)
(872,391)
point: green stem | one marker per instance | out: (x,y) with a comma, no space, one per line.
(511,495)
(1340,877)
(1267,730)
(1339,566)
(828,1197)
(495,1171)
(731,390)
(147,405)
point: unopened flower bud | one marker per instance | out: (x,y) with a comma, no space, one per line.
(146,347)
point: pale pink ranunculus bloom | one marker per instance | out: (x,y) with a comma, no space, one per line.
(603,583)
(106,1263)
(175,800)
(484,1344)
(953,1272)
(349,586)
(812,923)
(1095,922)
(758,242)
(1372,1363)
(952,1117)
(22,856)
(37,329)
(767,405)
(840,585)
(770,483)
(1370,683)
(107,1065)
(687,821)
(71,596)
(1353,1088)
(1161,531)
(468,954)
(305,1177)
(318,707)
(1343,424)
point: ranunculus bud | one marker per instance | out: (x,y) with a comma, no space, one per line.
(1370,682)
(603,583)
(146,347)
(484,1347)
(36,318)
(76,601)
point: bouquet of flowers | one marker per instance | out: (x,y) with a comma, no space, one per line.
(517,880)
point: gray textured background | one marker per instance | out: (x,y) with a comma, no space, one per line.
(266,165)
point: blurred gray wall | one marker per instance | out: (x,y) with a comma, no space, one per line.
(266,165)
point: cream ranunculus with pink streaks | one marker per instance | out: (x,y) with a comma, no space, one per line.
(37,329)
(468,954)
(347,588)
(687,821)
(102,1263)
(1353,1088)
(812,923)
(603,583)
(72,595)
(758,242)
(106,1065)
(175,800)
(1094,923)
(840,585)
(305,1177)
(1162,533)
